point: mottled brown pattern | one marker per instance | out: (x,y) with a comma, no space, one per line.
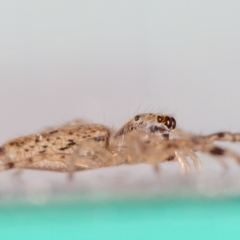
(150,138)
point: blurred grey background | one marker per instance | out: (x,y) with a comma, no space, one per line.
(105,61)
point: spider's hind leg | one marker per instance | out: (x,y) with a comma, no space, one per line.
(51,162)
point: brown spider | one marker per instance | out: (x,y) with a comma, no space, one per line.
(144,139)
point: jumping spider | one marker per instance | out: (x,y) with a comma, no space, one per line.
(146,138)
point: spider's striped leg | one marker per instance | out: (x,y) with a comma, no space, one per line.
(209,140)
(220,152)
(196,144)
(222,136)
(219,136)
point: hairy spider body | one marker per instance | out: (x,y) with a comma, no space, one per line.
(80,145)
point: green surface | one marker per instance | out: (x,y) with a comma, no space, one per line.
(158,218)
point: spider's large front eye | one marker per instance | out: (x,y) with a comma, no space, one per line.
(168,122)
(159,119)
(136,118)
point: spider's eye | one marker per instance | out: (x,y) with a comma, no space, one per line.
(173,123)
(137,118)
(159,119)
(168,122)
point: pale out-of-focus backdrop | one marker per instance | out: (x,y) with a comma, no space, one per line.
(104,61)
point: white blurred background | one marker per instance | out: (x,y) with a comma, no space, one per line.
(104,61)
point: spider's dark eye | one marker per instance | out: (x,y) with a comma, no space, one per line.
(168,122)
(173,123)
(137,118)
(159,119)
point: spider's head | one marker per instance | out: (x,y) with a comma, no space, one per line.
(154,123)
(159,125)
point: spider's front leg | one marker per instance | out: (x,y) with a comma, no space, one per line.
(194,144)
(206,144)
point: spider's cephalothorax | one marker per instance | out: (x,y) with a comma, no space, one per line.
(159,125)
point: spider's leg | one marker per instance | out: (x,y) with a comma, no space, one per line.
(183,161)
(91,155)
(195,158)
(18,164)
(130,149)
(222,136)
(194,144)
(220,152)
(53,162)
(160,151)
(197,144)
(205,144)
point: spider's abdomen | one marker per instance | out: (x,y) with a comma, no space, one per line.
(59,141)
